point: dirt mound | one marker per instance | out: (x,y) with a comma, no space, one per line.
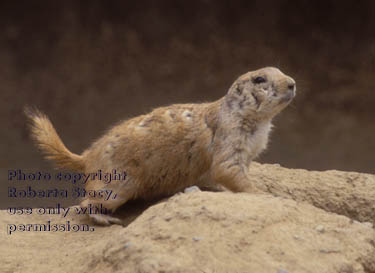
(218,231)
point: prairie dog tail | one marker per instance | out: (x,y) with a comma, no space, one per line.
(46,138)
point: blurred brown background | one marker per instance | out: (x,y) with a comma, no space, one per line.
(89,64)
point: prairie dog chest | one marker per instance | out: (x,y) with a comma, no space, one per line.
(255,142)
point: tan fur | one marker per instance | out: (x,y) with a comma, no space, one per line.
(49,142)
(174,147)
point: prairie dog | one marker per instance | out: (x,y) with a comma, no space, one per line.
(173,147)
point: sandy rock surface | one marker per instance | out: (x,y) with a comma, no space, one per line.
(304,222)
(347,193)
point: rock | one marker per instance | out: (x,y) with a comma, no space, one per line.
(320,228)
(282,271)
(347,193)
(217,231)
(192,189)
(128,244)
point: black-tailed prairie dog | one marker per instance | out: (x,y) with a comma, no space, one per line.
(173,147)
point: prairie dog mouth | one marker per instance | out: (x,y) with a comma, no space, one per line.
(288,96)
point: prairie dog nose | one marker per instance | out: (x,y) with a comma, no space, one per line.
(291,84)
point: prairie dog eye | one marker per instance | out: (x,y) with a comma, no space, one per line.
(258,80)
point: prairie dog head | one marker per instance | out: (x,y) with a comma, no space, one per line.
(262,93)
